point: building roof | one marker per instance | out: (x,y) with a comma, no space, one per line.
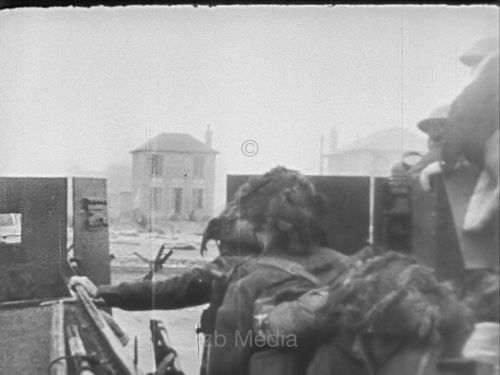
(390,139)
(175,142)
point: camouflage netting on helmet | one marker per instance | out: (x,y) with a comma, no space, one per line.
(253,204)
(394,295)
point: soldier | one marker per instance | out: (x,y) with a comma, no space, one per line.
(471,131)
(236,232)
(292,262)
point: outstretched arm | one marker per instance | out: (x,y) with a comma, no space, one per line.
(190,289)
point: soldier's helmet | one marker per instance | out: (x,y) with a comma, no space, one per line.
(433,124)
(283,198)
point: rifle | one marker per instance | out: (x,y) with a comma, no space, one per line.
(165,355)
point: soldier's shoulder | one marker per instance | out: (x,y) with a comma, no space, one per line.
(258,271)
(227,263)
(330,254)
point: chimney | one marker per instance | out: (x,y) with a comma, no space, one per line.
(208,136)
(333,140)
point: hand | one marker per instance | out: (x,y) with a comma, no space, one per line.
(424,179)
(427,172)
(85,282)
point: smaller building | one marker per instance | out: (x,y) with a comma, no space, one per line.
(173,174)
(374,154)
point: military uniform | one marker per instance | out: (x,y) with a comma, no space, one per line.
(234,321)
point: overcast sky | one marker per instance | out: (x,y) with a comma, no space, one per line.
(82,87)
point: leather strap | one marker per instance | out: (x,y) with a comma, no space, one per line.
(290,267)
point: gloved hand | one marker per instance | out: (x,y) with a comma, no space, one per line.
(86,283)
(427,172)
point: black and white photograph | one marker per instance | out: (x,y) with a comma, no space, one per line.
(249,189)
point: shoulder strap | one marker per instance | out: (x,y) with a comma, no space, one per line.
(290,267)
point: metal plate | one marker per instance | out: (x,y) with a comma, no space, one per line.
(91,242)
(33,266)
(433,239)
(25,340)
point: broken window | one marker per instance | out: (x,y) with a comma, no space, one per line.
(198,198)
(156,166)
(199,167)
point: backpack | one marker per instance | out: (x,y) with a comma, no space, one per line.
(276,354)
(388,296)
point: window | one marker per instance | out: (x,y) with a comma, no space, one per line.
(157,198)
(198,198)
(10,228)
(156,166)
(199,167)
